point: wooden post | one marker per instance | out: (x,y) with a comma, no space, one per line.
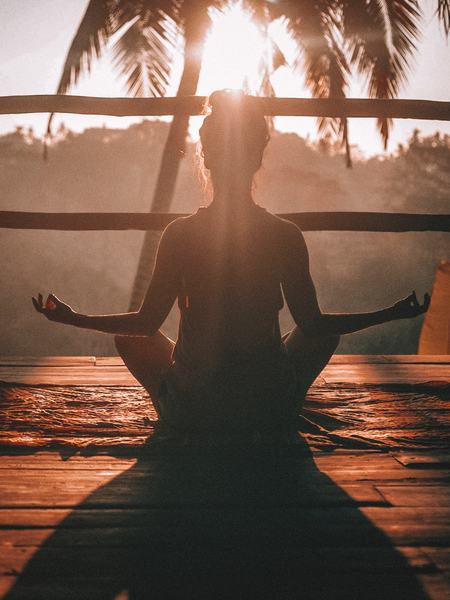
(307,221)
(192,105)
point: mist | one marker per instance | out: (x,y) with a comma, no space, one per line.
(111,170)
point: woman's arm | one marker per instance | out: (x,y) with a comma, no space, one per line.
(338,324)
(158,301)
(301,297)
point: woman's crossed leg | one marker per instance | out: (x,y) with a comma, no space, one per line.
(147,359)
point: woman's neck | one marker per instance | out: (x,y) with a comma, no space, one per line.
(234,193)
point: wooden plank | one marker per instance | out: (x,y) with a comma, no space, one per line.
(434,586)
(418,358)
(194,105)
(88,469)
(386,373)
(351,560)
(309,221)
(47,361)
(415,495)
(439,556)
(14,518)
(53,461)
(394,475)
(333,373)
(48,588)
(426,586)
(129,491)
(422,460)
(342,475)
(211,525)
(351,459)
(348,460)
(352,359)
(107,361)
(100,361)
(80,375)
(340,527)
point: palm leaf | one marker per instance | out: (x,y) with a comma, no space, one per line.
(87,44)
(144,54)
(443,13)
(381,36)
(103,18)
(316,29)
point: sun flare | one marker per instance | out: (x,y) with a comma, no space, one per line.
(233,52)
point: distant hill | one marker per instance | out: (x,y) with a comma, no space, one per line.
(115,170)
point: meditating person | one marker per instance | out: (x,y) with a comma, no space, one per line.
(229,266)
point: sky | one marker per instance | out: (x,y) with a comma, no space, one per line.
(37,33)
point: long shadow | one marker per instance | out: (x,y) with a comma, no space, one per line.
(218,523)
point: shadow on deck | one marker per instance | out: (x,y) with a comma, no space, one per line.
(234,522)
(201,524)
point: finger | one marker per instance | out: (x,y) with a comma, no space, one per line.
(426,301)
(50,304)
(55,299)
(36,304)
(408,299)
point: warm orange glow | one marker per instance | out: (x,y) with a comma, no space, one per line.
(233,52)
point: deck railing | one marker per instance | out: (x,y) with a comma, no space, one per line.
(193,105)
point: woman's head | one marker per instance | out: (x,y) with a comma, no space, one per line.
(234,135)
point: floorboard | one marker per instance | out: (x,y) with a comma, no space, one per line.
(338,524)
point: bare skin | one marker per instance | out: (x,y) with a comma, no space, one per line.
(147,352)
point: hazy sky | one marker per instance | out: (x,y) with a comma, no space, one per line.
(36,35)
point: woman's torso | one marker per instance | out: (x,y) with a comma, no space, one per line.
(230,289)
(229,348)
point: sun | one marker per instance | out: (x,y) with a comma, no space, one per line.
(233,52)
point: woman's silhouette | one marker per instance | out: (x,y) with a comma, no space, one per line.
(229,265)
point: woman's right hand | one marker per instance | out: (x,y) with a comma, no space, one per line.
(410,307)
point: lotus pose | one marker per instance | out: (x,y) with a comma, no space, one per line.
(229,265)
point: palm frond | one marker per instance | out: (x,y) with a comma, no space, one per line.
(315,28)
(93,31)
(144,54)
(381,36)
(87,44)
(443,13)
(103,18)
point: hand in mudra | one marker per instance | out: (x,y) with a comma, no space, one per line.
(410,307)
(54,309)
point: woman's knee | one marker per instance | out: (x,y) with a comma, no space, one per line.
(124,344)
(333,341)
(128,344)
(297,341)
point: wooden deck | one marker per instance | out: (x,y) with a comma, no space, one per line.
(225,523)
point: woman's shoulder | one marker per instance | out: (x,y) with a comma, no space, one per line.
(180,224)
(282,226)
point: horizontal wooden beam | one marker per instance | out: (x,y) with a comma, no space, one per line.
(193,105)
(307,221)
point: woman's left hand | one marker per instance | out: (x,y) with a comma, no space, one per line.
(54,309)
(410,307)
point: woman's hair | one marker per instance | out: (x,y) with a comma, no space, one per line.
(234,131)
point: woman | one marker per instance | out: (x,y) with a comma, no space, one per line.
(228,265)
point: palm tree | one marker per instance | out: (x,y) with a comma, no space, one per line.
(148,31)
(375,38)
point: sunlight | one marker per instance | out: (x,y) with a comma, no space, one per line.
(233,52)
